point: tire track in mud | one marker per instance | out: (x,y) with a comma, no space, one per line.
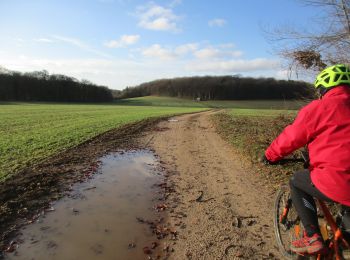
(220,209)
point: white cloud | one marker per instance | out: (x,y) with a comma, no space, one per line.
(206,53)
(130,39)
(216,53)
(158,18)
(235,54)
(234,66)
(157,51)
(71,41)
(191,50)
(124,40)
(44,40)
(79,44)
(144,64)
(218,22)
(186,48)
(167,53)
(116,73)
(112,73)
(119,73)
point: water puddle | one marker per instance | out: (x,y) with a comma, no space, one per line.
(101,218)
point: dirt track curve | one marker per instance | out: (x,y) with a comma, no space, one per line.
(220,208)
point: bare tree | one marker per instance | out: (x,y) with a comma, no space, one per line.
(327,43)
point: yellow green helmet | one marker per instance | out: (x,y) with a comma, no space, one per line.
(333,76)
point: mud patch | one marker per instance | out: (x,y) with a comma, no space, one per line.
(100,218)
(220,209)
(27,193)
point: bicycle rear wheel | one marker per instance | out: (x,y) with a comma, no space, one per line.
(287,224)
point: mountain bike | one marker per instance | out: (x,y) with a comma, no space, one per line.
(288,226)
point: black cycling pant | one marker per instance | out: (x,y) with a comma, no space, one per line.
(303,193)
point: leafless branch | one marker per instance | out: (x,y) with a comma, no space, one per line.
(313,50)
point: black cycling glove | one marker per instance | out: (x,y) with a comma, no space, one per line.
(265,161)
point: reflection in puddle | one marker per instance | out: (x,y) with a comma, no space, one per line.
(99,221)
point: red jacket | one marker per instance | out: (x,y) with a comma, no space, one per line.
(324,126)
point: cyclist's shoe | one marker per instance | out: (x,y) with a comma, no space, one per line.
(309,245)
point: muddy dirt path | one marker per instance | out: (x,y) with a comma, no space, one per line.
(220,208)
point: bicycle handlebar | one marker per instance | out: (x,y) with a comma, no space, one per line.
(304,159)
(289,160)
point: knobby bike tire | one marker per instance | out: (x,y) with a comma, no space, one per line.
(283,234)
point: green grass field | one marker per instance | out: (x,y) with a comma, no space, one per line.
(242,104)
(261,112)
(31,132)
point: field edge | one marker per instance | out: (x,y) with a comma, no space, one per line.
(29,192)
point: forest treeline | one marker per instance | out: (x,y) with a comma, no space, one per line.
(41,86)
(222,88)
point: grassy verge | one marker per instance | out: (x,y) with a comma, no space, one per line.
(32,132)
(242,104)
(251,132)
(159,102)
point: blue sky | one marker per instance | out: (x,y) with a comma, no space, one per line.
(121,43)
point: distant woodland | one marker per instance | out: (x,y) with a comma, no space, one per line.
(41,86)
(222,88)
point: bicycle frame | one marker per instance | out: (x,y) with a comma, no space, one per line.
(337,239)
(338,235)
(335,242)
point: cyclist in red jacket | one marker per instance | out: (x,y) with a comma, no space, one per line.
(324,126)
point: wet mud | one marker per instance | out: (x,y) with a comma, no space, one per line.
(219,203)
(25,195)
(215,206)
(111,216)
